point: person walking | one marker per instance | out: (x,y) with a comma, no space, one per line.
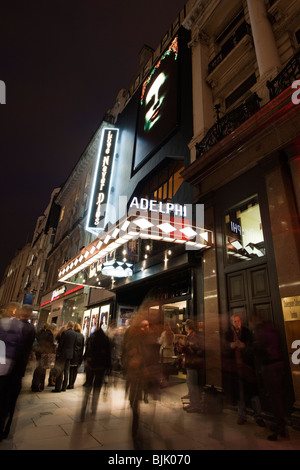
(77,356)
(65,352)
(140,359)
(239,349)
(97,360)
(18,340)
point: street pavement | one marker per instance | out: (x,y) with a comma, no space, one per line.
(49,421)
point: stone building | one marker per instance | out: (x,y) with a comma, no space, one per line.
(188,194)
(245,167)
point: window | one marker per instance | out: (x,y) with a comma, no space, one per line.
(240,90)
(243,232)
(167,189)
(237,20)
(164,184)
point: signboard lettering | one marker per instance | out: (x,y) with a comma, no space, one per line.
(101,185)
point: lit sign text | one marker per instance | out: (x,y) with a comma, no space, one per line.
(154,206)
(100,192)
(58,292)
(235,228)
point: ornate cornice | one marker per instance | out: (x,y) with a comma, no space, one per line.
(270,129)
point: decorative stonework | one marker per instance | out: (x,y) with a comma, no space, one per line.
(199,37)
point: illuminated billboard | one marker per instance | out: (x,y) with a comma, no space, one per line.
(101,185)
(158,107)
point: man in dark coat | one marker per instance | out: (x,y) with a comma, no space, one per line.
(77,356)
(239,349)
(193,363)
(97,360)
(65,352)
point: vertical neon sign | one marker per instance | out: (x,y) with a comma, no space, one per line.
(102,177)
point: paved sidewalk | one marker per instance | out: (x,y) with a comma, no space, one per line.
(51,421)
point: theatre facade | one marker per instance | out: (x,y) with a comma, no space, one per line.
(195,198)
(147,234)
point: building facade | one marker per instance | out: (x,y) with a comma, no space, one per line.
(140,215)
(245,166)
(12,286)
(188,194)
(231,147)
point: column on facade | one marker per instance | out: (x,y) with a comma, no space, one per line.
(212,319)
(293,153)
(268,59)
(203,113)
(285,227)
(285,234)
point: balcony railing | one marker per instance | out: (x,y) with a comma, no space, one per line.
(228,123)
(229,45)
(286,77)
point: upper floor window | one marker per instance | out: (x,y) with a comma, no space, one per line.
(165,184)
(229,38)
(240,91)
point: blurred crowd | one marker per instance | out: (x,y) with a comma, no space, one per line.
(145,353)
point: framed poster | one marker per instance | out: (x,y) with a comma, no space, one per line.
(94,319)
(104,316)
(86,323)
(126,313)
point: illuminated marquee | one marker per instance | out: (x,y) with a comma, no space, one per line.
(102,177)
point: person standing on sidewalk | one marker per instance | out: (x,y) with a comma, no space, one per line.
(65,352)
(239,348)
(45,346)
(77,357)
(193,363)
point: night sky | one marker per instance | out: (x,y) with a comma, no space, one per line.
(63,63)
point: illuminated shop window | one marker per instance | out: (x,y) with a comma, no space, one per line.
(244,233)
